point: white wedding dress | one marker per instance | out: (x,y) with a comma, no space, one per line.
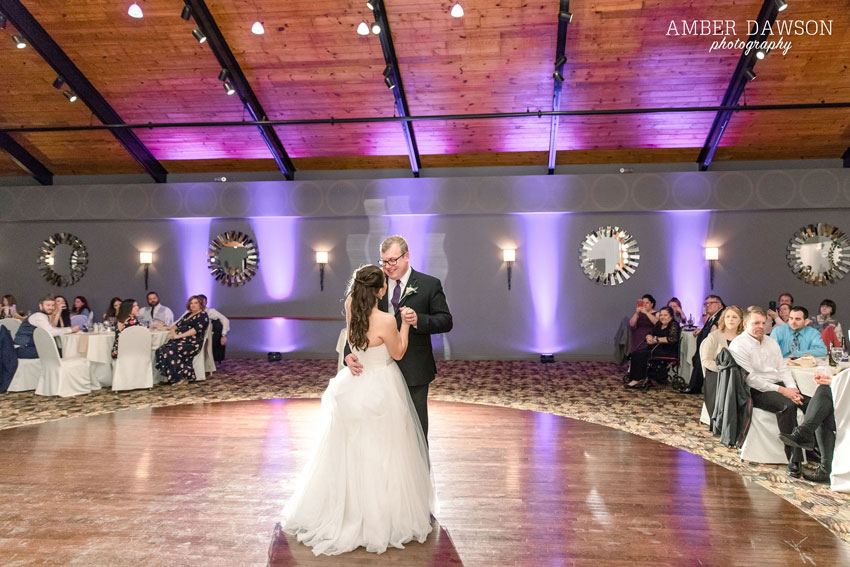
(368,480)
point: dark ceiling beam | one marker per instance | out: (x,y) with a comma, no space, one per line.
(736,87)
(564,19)
(846,157)
(54,56)
(222,52)
(392,74)
(26,160)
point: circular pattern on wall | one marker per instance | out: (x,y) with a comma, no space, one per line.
(610,192)
(691,190)
(166,201)
(235,201)
(775,189)
(570,194)
(200,200)
(650,191)
(733,190)
(306,198)
(453,199)
(78,259)
(33,203)
(344,198)
(493,196)
(133,201)
(98,202)
(820,188)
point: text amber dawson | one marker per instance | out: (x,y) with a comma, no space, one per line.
(774,33)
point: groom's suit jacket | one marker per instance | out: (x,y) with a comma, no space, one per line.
(429,302)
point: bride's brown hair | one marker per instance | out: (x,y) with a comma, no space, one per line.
(364,287)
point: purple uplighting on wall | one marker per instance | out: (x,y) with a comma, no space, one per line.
(686,235)
(279,335)
(541,254)
(278,250)
(194,237)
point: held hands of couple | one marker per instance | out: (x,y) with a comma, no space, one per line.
(409,316)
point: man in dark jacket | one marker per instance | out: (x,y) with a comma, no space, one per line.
(713,308)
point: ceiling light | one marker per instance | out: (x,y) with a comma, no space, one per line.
(376,28)
(70,96)
(371,4)
(761,54)
(560,60)
(20,43)
(186,13)
(363,28)
(228,88)
(750,75)
(223,74)
(781,4)
(199,35)
(389,82)
(135,11)
(58,82)
(558,76)
(257,28)
(457,10)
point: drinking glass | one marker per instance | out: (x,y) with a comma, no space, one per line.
(837,354)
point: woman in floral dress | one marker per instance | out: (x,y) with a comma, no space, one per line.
(174,358)
(126,318)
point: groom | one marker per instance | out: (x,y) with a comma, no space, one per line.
(428,315)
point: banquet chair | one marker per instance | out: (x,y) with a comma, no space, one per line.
(80,320)
(840,477)
(762,444)
(133,365)
(209,362)
(61,377)
(11,324)
(199,363)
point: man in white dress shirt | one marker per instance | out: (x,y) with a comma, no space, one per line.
(24,341)
(154,311)
(772,386)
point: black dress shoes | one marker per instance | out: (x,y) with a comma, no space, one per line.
(798,438)
(794,470)
(820,474)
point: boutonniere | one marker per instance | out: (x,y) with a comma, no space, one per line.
(409,290)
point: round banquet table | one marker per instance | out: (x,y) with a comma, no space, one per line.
(805,376)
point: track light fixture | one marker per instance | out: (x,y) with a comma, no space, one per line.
(558,76)
(58,82)
(750,75)
(376,28)
(223,74)
(363,28)
(780,4)
(388,77)
(199,35)
(70,96)
(564,13)
(560,60)
(186,14)
(371,4)
(3,21)
(228,88)
(135,11)
(20,43)
(257,28)
(457,10)
(762,53)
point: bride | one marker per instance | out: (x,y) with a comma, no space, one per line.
(367,482)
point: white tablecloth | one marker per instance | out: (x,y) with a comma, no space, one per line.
(97,348)
(805,377)
(687,350)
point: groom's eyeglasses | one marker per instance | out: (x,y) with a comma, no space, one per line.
(390,261)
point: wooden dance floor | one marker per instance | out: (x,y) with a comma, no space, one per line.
(204,485)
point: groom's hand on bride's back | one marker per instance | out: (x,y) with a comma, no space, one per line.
(353,365)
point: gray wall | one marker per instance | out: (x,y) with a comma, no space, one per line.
(456,228)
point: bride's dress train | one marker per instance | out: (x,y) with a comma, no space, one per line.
(368,481)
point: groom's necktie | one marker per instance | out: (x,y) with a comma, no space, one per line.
(396,295)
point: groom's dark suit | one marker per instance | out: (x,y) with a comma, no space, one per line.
(432,310)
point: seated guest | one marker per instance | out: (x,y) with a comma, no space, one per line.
(220,328)
(663,341)
(713,307)
(730,326)
(61,316)
(9,308)
(826,317)
(676,306)
(112,312)
(819,424)
(126,318)
(796,338)
(24,341)
(642,321)
(81,306)
(779,316)
(155,312)
(772,386)
(174,358)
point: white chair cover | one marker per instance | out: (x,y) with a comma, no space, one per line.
(209,363)
(133,365)
(67,377)
(27,376)
(840,478)
(11,324)
(704,417)
(762,444)
(199,362)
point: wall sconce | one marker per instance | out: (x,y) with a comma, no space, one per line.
(321,260)
(509,256)
(146,259)
(712,255)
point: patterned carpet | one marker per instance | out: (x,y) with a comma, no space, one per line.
(589,391)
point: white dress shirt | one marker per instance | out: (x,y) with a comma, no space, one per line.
(391,288)
(160,313)
(763,360)
(214,314)
(42,321)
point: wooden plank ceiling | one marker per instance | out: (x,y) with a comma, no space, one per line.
(498,58)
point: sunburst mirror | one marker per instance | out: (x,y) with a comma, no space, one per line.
(819,254)
(63,259)
(233,258)
(609,255)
